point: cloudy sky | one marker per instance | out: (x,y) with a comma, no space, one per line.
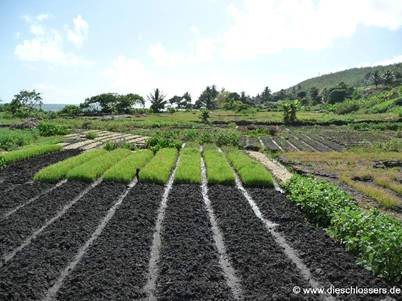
(69,50)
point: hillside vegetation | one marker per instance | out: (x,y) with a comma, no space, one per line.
(351,77)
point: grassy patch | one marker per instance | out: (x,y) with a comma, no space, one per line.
(189,170)
(251,172)
(12,139)
(58,171)
(95,168)
(27,152)
(382,196)
(159,168)
(218,168)
(91,135)
(125,170)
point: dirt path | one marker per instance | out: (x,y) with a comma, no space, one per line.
(280,172)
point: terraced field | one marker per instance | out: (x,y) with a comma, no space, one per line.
(195,224)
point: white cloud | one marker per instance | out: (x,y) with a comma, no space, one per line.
(42,17)
(260,27)
(47,45)
(79,32)
(394,60)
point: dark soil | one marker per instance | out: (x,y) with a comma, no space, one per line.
(283,143)
(269,144)
(333,145)
(16,228)
(22,171)
(116,265)
(314,143)
(328,260)
(189,264)
(37,267)
(265,272)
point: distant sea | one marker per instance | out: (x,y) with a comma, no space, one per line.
(54,107)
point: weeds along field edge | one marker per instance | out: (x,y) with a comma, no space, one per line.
(125,170)
(59,170)
(27,152)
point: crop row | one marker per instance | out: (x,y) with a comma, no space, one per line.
(123,165)
(374,237)
(27,152)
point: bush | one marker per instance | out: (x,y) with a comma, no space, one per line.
(158,142)
(48,129)
(11,139)
(91,135)
(374,237)
(346,107)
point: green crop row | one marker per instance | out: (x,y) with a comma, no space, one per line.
(95,168)
(218,168)
(189,169)
(159,168)
(125,170)
(58,171)
(374,237)
(27,152)
(251,172)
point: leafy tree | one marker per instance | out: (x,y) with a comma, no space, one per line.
(124,103)
(204,116)
(207,98)
(157,100)
(281,95)
(290,110)
(376,78)
(103,103)
(266,95)
(26,102)
(175,100)
(314,95)
(70,110)
(245,98)
(388,78)
(185,102)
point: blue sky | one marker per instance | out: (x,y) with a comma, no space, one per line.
(70,50)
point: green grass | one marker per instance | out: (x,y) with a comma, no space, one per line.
(95,168)
(124,171)
(251,172)
(189,170)
(58,171)
(91,135)
(159,168)
(12,139)
(218,168)
(27,152)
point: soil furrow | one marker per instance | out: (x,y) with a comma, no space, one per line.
(22,171)
(38,266)
(328,260)
(253,251)
(189,263)
(116,265)
(15,229)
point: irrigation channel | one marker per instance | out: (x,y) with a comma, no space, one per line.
(110,241)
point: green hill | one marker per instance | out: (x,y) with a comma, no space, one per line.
(352,77)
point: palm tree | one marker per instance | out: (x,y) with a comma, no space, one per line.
(157,100)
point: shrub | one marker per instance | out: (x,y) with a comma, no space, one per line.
(374,237)
(125,170)
(346,107)
(91,135)
(251,172)
(204,116)
(159,168)
(58,171)
(318,199)
(48,129)
(189,169)
(157,142)
(11,139)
